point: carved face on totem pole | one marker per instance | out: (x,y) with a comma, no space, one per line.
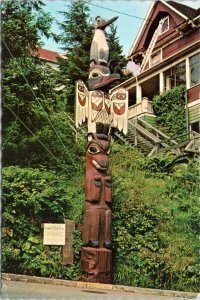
(98,194)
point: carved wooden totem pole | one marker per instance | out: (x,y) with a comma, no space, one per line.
(102,110)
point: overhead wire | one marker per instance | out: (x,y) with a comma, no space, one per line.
(37,99)
(41,107)
(122,13)
(33,135)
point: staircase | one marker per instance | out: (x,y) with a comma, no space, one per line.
(77,131)
(146,138)
(194,143)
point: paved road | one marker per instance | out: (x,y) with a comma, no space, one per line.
(26,291)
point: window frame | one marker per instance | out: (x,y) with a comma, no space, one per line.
(159,51)
(164,19)
(192,83)
(173,74)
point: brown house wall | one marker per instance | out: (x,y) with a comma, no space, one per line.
(175,20)
(180,44)
(194,93)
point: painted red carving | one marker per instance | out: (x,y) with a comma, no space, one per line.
(97,107)
(119,111)
(96,255)
(82,99)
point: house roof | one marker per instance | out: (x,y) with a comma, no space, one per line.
(189,12)
(182,12)
(49,55)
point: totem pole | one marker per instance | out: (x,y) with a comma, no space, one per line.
(102,110)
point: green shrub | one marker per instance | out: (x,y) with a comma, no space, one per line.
(155,217)
(32,197)
(154,227)
(170,112)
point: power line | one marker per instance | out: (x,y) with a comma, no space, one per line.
(41,107)
(37,99)
(119,12)
(123,13)
(33,134)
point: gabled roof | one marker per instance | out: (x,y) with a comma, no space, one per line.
(180,11)
(189,12)
(49,55)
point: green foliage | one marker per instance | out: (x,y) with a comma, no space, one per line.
(23,22)
(31,108)
(32,197)
(76,41)
(170,112)
(36,128)
(155,217)
(117,61)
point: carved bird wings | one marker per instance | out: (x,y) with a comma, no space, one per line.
(98,106)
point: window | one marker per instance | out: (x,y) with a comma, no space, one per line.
(175,76)
(194,69)
(195,127)
(165,25)
(155,58)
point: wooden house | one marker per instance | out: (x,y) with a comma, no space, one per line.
(166,53)
(49,57)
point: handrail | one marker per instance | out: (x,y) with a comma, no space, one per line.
(167,138)
(154,129)
(186,134)
(72,121)
(144,131)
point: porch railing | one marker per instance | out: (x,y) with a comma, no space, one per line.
(145,106)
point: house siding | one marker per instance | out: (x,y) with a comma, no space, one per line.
(174,21)
(194,113)
(180,44)
(193,93)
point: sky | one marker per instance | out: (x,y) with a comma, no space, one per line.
(131,14)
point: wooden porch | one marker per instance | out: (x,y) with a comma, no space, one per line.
(141,108)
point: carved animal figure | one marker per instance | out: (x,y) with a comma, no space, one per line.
(96,254)
(98,195)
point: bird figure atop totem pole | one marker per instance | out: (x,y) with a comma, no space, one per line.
(99,73)
(92,102)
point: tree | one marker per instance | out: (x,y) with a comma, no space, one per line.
(117,59)
(76,41)
(35,128)
(23,22)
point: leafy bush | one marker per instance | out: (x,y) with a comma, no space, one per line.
(155,217)
(170,112)
(32,197)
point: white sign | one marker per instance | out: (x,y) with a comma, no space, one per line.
(54,234)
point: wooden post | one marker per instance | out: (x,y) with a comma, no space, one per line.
(68,251)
